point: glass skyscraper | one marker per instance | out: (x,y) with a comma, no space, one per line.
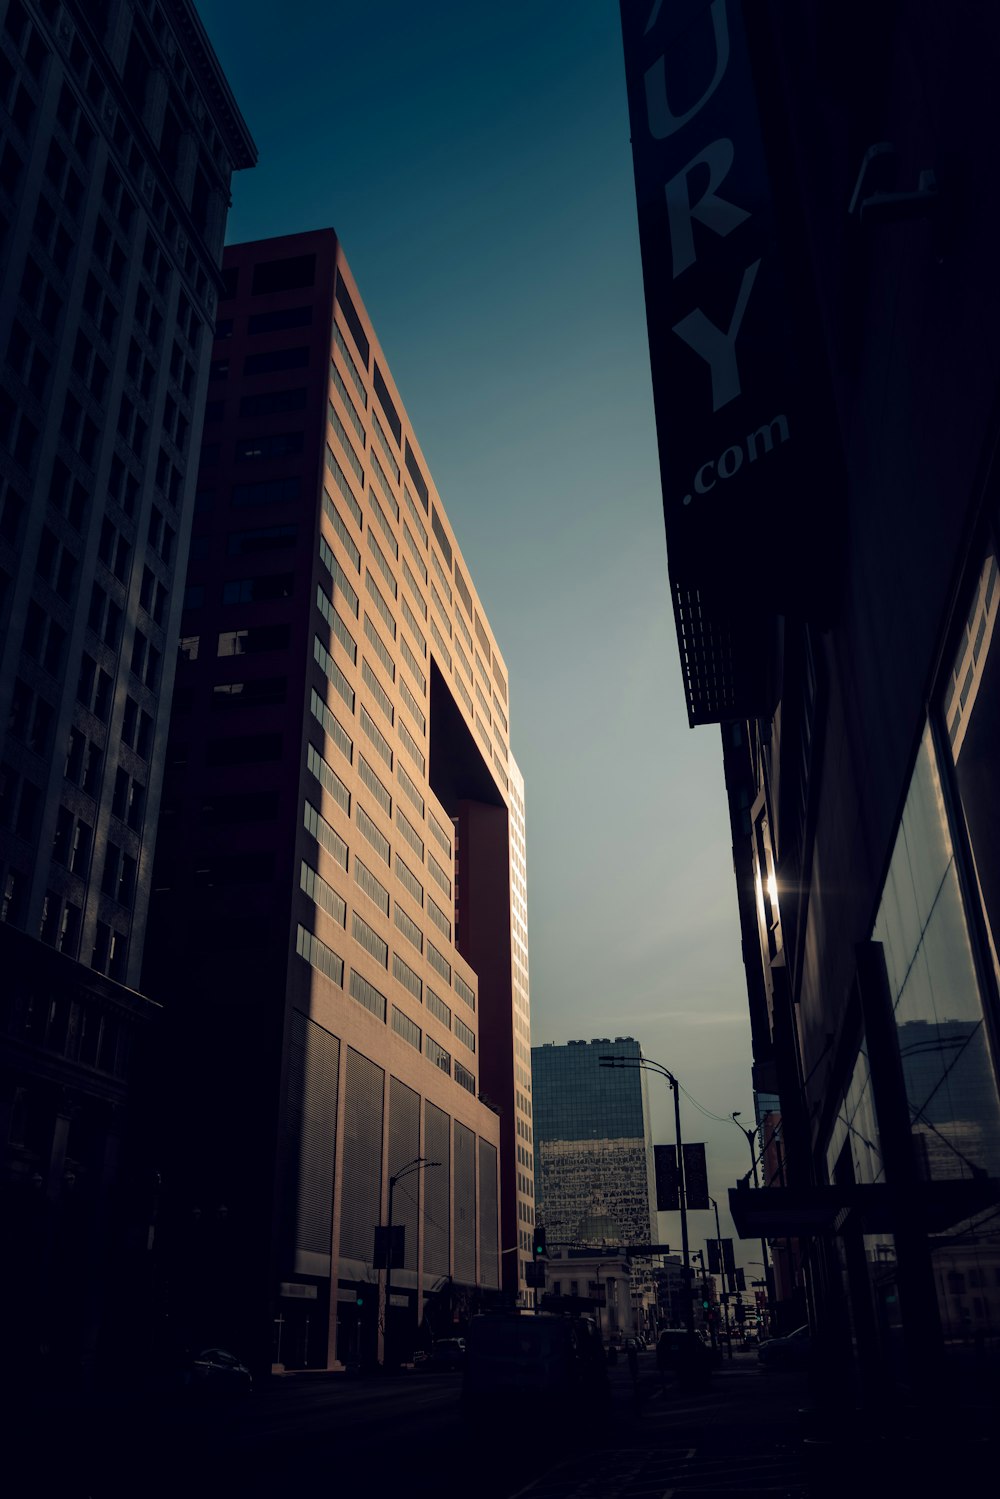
(593,1144)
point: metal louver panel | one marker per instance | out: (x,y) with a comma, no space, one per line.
(404,1146)
(361,1195)
(311,1132)
(489,1246)
(437,1192)
(465,1205)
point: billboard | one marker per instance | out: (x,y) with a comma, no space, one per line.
(667,1185)
(739,472)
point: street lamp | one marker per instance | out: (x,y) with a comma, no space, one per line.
(725,1276)
(419,1163)
(664,1072)
(751,1136)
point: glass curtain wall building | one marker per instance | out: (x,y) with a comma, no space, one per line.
(593,1145)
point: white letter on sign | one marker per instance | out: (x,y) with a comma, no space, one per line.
(662,121)
(718,349)
(715,213)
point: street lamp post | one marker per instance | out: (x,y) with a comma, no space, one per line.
(751,1135)
(664,1072)
(725,1276)
(419,1163)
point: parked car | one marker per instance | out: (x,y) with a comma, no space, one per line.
(791,1352)
(684,1355)
(216,1372)
(448,1353)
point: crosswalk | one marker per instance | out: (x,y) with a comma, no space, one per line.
(676,1472)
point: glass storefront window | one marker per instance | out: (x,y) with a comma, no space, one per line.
(950,1083)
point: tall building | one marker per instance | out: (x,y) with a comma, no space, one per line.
(594,1174)
(514,1051)
(118,139)
(331,923)
(856,385)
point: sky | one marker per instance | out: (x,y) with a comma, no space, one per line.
(475,163)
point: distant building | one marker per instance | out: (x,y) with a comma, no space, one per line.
(118,139)
(331,929)
(594,1175)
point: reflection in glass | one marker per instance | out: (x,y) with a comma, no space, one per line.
(950,1084)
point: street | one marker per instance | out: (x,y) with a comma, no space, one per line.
(741,1437)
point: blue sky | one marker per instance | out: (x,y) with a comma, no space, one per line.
(475,163)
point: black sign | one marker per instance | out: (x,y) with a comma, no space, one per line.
(727,393)
(695,1177)
(667,1189)
(715,1264)
(381,1259)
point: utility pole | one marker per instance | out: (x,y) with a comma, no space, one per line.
(417,1164)
(751,1135)
(725,1277)
(651,1066)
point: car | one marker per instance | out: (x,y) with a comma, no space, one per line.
(215,1372)
(448,1353)
(548,1357)
(683,1354)
(789,1352)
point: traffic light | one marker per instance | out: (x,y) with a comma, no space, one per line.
(359,1301)
(538,1241)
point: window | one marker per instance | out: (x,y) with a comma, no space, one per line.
(437,1054)
(464,1034)
(333,672)
(266,492)
(340,527)
(465,1079)
(409,929)
(353,460)
(332,726)
(409,881)
(328,778)
(266,539)
(386,403)
(289,274)
(319,956)
(322,894)
(336,623)
(352,370)
(317,825)
(373,888)
(374,785)
(272,402)
(366,994)
(254,590)
(343,484)
(419,482)
(410,834)
(274,445)
(353,322)
(405,1027)
(339,576)
(370,940)
(283,317)
(376,689)
(371,832)
(438,1008)
(410,787)
(438,962)
(384,523)
(252,640)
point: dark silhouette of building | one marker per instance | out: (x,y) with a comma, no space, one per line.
(118,139)
(823,309)
(331,924)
